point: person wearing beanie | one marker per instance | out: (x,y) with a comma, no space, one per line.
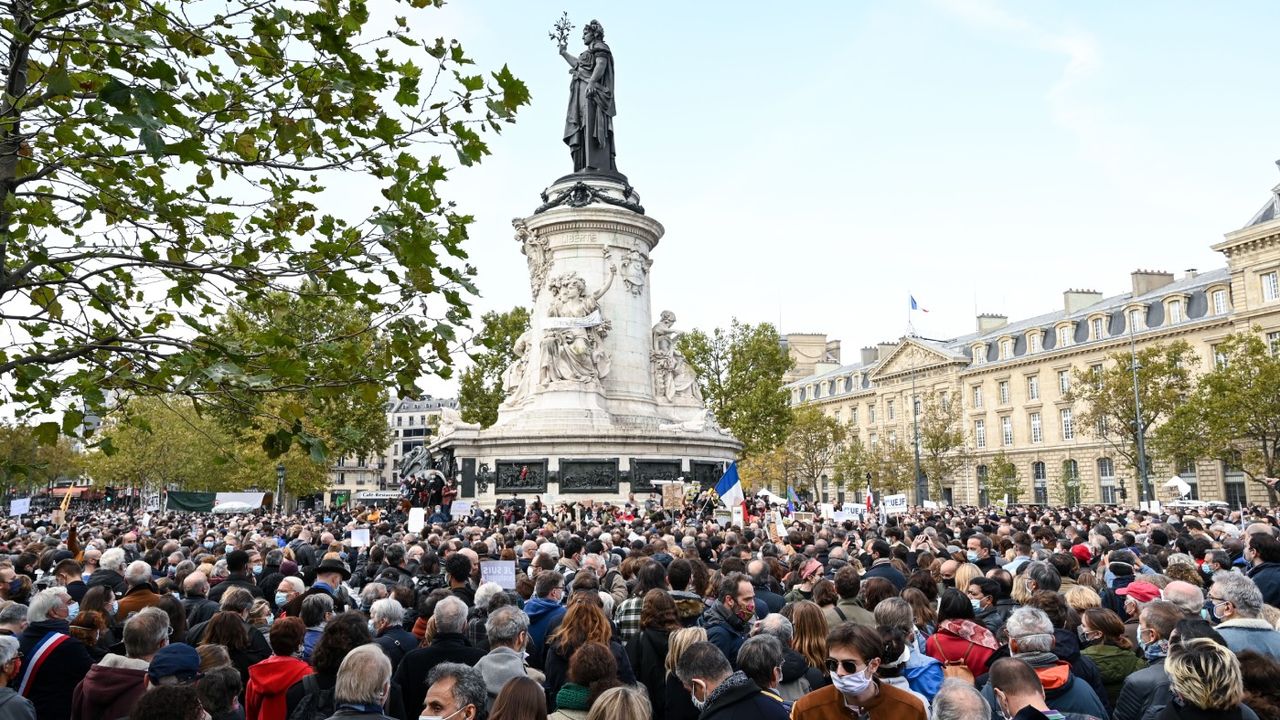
(176,664)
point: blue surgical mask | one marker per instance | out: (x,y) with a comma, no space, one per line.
(257,569)
(208,544)
(972,555)
(230,548)
(977,604)
(73,610)
(281,600)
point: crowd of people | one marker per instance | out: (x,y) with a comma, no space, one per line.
(633,612)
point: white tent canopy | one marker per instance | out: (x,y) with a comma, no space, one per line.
(768,495)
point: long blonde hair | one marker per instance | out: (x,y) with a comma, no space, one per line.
(965,574)
(810,633)
(680,641)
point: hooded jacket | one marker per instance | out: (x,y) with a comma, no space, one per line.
(798,679)
(689,607)
(541,612)
(1063,691)
(725,630)
(503,664)
(110,689)
(269,683)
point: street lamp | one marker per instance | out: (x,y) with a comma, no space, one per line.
(1144,482)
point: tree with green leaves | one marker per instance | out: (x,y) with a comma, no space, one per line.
(851,464)
(161,163)
(162,442)
(1233,413)
(481,389)
(813,444)
(942,440)
(1003,480)
(740,371)
(29,465)
(892,467)
(1067,484)
(770,470)
(1106,394)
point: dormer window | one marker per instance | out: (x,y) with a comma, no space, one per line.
(1136,319)
(1219,300)
(1006,348)
(1035,341)
(1175,311)
(1097,328)
(1064,335)
(979,353)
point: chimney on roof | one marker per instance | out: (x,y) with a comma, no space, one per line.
(991,321)
(1144,281)
(869,355)
(1192,273)
(883,349)
(1074,300)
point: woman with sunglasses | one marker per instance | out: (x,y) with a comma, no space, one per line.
(853,658)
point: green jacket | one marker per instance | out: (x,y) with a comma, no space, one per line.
(1114,664)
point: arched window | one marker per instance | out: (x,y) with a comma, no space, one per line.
(1039,483)
(981,472)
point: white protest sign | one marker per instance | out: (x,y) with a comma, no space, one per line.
(146,520)
(782,530)
(930,505)
(828,509)
(460,508)
(895,504)
(417,519)
(19,506)
(360,537)
(723,517)
(839,516)
(855,509)
(502,572)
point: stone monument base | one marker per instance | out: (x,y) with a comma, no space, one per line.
(613,465)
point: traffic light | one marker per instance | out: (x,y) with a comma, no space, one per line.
(109,495)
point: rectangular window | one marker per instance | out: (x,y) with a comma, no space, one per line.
(1219,357)
(1219,302)
(1004,392)
(888,410)
(399,420)
(1135,320)
(1064,381)
(1273,342)
(1006,349)
(979,433)
(893,437)
(1097,328)
(871,414)
(1270,286)
(1064,336)
(836,416)
(1068,429)
(1102,426)
(944,399)
(1006,430)
(873,440)
(1033,387)
(979,354)
(853,416)
(917,408)
(1034,342)
(977,397)
(1037,428)
(1175,311)
(1095,374)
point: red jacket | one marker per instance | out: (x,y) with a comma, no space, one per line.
(945,645)
(269,681)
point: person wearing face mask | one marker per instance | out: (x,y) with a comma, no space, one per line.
(761,660)
(882,565)
(978,552)
(456,693)
(1236,604)
(959,638)
(727,620)
(12,705)
(1155,623)
(288,589)
(719,693)
(64,660)
(981,595)
(1031,640)
(385,624)
(364,682)
(854,657)
(1103,640)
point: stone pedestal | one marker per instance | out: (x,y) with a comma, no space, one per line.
(599,403)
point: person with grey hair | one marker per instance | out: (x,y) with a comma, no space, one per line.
(1236,605)
(797,677)
(141,593)
(448,646)
(1042,576)
(195,600)
(1186,596)
(363,686)
(959,700)
(386,618)
(457,692)
(719,693)
(372,593)
(1031,640)
(923,673)
(479,612)
(64,660)
(760,658)
(114,685)
(109,572)
(508,631)
(13,619)
(316,611)
(12,705)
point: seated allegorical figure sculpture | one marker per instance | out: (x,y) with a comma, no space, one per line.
(573,336)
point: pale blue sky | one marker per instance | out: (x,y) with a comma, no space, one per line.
(816,162)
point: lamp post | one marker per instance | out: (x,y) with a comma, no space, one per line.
(1144,482)
(280,487)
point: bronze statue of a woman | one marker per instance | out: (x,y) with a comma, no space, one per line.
(588,125)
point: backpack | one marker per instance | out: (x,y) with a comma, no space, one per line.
(316,704)
(957,669)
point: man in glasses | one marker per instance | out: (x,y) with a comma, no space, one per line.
(114,685)
(1031,640)
(1236,605)
(853,657)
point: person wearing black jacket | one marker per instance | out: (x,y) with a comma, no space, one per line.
(238,575)
(727,695)
(450,645)
(109,572)
(63,660)
(199,608)
(647,649)
(759,572)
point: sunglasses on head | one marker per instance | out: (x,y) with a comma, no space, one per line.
(850,666)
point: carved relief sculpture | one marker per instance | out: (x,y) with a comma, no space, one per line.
(635,271)
(673,376)
(573,336)
(535,252)
(515,379)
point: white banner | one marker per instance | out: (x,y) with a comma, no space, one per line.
(895,504)
(417,519)
(460,508)
(502,572)
(19,506)
(360,537)
(563,323)
(248,498)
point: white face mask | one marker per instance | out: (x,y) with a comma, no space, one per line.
(697,704)
(853,684)
(440,717)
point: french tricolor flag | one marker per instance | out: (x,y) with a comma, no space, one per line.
(915,305)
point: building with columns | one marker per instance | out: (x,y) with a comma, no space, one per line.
(1013,377)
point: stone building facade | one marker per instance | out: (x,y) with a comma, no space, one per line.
(1012,378)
